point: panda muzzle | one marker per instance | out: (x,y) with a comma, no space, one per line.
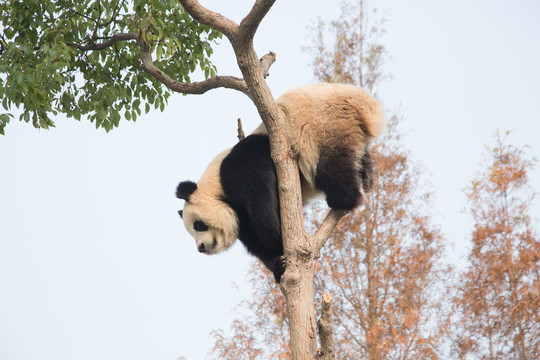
(207,249)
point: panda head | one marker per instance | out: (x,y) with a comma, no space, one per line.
(212,222)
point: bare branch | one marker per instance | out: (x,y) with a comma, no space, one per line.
(267,61)
(250,24)
(195,88)
(215,20)
(324,325)
(324,231)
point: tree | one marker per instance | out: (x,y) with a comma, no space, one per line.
(261,331)
(384,265)
(83,58)
(498,301)
(354,54)
(383,262)
(83,41)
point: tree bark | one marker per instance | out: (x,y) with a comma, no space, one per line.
(324,325)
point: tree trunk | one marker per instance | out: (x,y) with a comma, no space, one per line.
(297,282)
(372,328)
(299,247)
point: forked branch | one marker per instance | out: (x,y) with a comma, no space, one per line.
(250,24)
(199,87)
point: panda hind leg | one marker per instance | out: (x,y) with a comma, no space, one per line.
(279,267)
(338,177)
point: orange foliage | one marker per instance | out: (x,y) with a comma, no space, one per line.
(354,54)
(262,331)
(384,264)
(498,300)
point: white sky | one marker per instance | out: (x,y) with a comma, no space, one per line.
(94,261)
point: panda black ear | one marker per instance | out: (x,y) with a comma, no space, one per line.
(185,189)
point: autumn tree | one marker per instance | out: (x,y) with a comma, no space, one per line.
(104,59)
(384,265)
(261,330)
(498,298)
(383,262)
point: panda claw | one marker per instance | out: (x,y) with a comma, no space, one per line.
(279,267)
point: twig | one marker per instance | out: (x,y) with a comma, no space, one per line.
(241,134)
(106,44)
(115,13)
(267,61)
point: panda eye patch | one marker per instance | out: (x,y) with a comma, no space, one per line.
(200,226)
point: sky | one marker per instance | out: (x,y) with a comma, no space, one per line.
(94,261)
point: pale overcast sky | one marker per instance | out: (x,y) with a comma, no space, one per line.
(94,261)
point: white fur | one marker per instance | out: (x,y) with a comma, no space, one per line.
(205,205)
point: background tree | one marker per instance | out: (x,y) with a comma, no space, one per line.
(261,330)
(384,265)
(49,48)
(383,261)
(498,300)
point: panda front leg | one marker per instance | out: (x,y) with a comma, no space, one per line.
(276,265)
(338,177)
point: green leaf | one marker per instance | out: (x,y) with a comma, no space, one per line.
(42,75)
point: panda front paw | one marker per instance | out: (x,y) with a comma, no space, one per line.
(279,267)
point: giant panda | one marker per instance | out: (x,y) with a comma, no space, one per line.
(330,126)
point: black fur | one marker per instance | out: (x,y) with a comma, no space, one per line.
(366,171)
(185,189)
(249,182)
(337,177)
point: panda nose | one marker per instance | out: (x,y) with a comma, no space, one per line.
(202,249)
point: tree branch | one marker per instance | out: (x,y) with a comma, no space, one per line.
(196,88)
(215,20)
(250,24)
(148,66)
(115,13)
(241,134)
(323,233)
(267,61)
(324,325)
